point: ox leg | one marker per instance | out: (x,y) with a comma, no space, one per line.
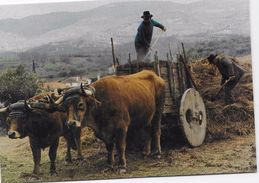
(147,143)
(156,125)
(77,136)
(121,147)
(52,156)
(68,157)
(157,133)
(110,160)
(36,153)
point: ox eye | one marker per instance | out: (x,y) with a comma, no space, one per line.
(80,106)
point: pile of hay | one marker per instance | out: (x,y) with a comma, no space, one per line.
(87,139)
(224,120)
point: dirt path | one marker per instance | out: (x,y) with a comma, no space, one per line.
(228,156)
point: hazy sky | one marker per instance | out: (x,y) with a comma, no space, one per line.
(23,9)
(45,1)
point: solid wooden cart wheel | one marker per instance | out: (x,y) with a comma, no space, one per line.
(193,117)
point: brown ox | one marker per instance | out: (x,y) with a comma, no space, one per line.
(113,104)
(43,129)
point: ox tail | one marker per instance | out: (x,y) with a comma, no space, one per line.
(156,121)
(160,98)
(160,91)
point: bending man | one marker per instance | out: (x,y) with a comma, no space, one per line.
(231,74)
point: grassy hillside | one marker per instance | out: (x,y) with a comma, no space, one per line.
(95,60)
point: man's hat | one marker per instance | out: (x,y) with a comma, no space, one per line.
(211,57)
(146,14)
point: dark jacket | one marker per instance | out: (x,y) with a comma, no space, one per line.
(145,32)
(227,67)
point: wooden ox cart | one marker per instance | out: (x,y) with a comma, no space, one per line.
(183,104)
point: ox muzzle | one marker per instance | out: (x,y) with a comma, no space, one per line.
(73,123)
(13,134)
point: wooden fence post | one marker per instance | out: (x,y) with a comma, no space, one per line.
(113,54)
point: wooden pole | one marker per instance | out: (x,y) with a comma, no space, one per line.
(113,54)
(157,64)
(170,52)
(178,49)
(221,88)
(117,61)
(130,64)
(184,55)
(129,59)
(169,66)
(186,67)
(33,66)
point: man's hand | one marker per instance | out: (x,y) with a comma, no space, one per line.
(224,82)
(231,78)
(164,29)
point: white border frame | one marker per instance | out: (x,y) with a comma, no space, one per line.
(235,178)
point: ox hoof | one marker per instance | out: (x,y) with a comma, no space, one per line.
(80,158)
(68,161)
(158,156)
(108,169)
(121,170)
(30,176)
(53,173)
(145,156)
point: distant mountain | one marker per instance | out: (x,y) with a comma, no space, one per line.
(38,25)
(24,10)
(66,31)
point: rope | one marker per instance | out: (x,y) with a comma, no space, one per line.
(153,45)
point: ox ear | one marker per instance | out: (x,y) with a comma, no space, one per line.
(4,109)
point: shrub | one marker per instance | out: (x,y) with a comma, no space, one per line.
(17,85)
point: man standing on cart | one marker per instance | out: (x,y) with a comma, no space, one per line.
(144,35)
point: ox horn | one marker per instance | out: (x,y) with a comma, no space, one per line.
(89,91)
(3,109)
(27,106)
(59,100)
(85,92)
(82,89)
